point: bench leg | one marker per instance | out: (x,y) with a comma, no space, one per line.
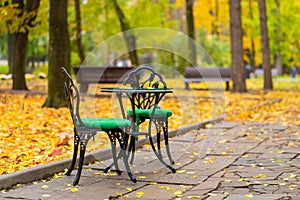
(187,85)
(84,87)
(227,85)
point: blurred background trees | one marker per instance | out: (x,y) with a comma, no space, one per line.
(90,22)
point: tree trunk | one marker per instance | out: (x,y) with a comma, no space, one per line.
(128,37)
(215,26)
(277,62)
(252,50)
(11,46)
(58,56)
(277,57)
(268,85)
(78,31)
(237,64)
(18,42)
(191,31)
(19,61)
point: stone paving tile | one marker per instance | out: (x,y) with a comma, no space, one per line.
(261,196)
(276,127)
(295,162)
(229,148)
(217,196)
(211,164)
(228,125)
(201,190)
(158,191)
(184,177)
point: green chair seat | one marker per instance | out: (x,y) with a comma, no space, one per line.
(147,113)
(105,123)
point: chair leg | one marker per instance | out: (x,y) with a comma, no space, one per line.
(114,153)
(166,137)
(125,160)
(159,157)
(80,164)
(84,139)
(163,124)
(123,144)
(112,164)
(75,150)
(158,143)
(131,148)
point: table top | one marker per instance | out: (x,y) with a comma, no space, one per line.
(138,90)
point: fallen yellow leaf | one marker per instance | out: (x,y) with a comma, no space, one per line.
(45,186)
(260,176)
(178,192)
(46,195)
(194,197)
(249,196)
(74,189)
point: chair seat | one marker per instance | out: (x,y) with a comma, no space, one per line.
(147,113)
(105,123)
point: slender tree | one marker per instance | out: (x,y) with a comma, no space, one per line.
(268,85)
(18,40)
(191,31)
(215,23)
(252,50)
(237,64)
(278,57)
(59,53)
(78,31)
(129,38)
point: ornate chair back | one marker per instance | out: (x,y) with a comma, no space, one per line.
(145,77)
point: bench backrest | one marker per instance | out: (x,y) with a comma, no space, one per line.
(202,72)
(260,72)
(94,74)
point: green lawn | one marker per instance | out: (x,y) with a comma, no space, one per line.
(3,69)
(44,69)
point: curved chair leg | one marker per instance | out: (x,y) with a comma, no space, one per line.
(114,153)
(163,124)
(166,138)
(109,167)
(112,164)
(75,150)
(158,143)
(123,144)
(159,157)
(125,160)
(131,148)
(80,164)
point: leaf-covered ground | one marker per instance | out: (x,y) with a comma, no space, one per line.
(31,135)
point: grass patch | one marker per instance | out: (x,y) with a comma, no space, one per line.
(4,69)
(43,69)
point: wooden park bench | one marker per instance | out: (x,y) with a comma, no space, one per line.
(260,72)
(202,74)
(86,75)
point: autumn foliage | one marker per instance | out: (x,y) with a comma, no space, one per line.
(31,135)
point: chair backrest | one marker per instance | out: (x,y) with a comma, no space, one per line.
(145,77)
(73,97)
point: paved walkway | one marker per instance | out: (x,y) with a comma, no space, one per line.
(253,161)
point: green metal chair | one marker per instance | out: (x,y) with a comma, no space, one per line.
(85,128)
(147,108)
